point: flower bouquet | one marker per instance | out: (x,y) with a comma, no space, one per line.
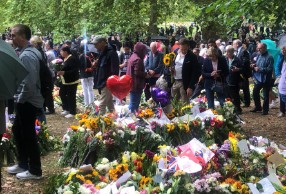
(57,64)
(169,62)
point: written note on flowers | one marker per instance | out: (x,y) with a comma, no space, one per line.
(243,147)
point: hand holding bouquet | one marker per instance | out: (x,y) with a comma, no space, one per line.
(57,64)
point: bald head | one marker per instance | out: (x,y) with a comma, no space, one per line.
(236,44)
(262,48)
(153,47)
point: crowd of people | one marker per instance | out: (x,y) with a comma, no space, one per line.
(221,70)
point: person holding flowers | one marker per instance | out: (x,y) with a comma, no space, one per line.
(186,72)
(69,75)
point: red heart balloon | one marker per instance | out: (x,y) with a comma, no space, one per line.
(119,86)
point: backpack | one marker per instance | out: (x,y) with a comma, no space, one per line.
(46,78)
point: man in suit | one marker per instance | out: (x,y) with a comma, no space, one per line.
(153,66)
(186,72)
(244,57)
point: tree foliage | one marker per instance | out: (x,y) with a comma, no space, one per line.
(65,18)
(70,17)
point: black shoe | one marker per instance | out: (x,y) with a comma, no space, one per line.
(246,105)
(239,112)
(264,113)
(256,110)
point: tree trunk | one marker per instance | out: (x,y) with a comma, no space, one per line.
(153,29)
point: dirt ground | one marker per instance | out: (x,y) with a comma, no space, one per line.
(255,124)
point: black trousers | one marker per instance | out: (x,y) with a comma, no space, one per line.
(246,92)
(26,139)
(234,95)
(256,95)
(68,97)
(149,83)
(49,102)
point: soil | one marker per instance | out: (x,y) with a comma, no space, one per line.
(255,124)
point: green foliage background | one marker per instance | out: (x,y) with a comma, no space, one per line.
(69,17)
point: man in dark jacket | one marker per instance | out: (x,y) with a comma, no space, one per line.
(153,66)
(234,79)
(106,66)
(244,57)
(187,71)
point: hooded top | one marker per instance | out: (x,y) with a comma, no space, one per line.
(136,68)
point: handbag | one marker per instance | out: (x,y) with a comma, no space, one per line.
(218,86)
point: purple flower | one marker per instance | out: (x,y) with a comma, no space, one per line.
(149,154)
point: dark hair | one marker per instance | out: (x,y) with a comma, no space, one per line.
(50,43)
(184,41)
(23,30)
(211,41)
(127,44)
(66,49)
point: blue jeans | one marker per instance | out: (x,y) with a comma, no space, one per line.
(135,98)
(210,98)
(282,103)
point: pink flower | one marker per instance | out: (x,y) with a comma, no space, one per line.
(91,188)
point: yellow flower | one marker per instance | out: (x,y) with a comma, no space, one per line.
(167,60)
(88,182)
(172,55)
(162,146)
(108,121)
(94,173)
(80,177)
(74,127)
(70,177)
(170,127)
(156,157)
(134,156)
(179,173)
(144,181)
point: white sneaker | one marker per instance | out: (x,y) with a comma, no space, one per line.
(69,116)
(272,104)
(15,169)
(280,114)
(65,112)
(27,176)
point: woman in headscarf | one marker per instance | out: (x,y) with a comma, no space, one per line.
(136,70)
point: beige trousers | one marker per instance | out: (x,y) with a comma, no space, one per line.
(105,101)
(178,91)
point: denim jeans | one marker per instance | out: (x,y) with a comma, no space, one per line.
(135,97)
(256,95)
(210,98)
(282,103)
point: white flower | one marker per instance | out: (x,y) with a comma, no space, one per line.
(133,133)
(84,190)
(81,129)
(255,161)
(114,163)
(51,138)
(104,161)
(68,192)
(252,178)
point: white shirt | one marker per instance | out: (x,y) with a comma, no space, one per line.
(282,81)
(179,66)
(214,65)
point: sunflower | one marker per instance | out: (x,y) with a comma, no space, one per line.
(167,60)
(172,56)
